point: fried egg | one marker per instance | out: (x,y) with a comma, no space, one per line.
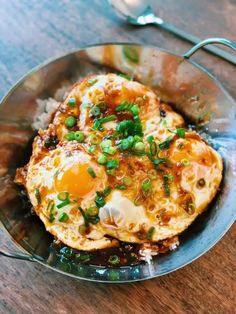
(116,164)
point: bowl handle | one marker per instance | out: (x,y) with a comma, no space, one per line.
(219,52)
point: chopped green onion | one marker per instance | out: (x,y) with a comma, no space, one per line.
(93,139)
(137,139)
(125,144)
(120,186)
(63,204)
(92,149)
(152,174)
(112,164)
(83,229)
(95,111)
(70,136)
(114,260)
(166,143)
(102,106)
(63,196)
(92,211)
(70,121)
(79,136)
(135,110)
(131,54)
(139,147)
(91,82)
(71,102)
(63,217)
(98,123)
(107,191)
(160,161)
(166,185)
(127,77)
(185,162)
(150,233)
(127,180)
(38,196)
(51,217)
(102,159)
(109,150)
(106,143)
(111,172)
(146,184)
(91,172)
(84,216)
(99,200)
(180,132)
(123,106)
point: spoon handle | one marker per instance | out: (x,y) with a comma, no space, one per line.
(195,40)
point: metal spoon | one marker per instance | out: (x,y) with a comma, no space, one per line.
(139,12)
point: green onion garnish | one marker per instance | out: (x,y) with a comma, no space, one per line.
(70,121)
(91,82)
(152,174)
(98,123)
(63,204)
(109,150)
(166,143)
(114,260)
(99,200)
(63,196)
(38,196)
(127,180)
(112,164)
(71,102)
(70,136)
(102,159)
(93,139)
(180,132)
(160,161)
(92,211)
(63,217)
(91,172)
(166,185)
(135,110)
(120,186)
(127,77)
(185,162)
(146,184)
(150,233)
(92,149)
(106,191)
(139,147)
(95,111)
(131,54)
(83,229)
(79,136)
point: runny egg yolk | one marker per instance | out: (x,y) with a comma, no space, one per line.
(76,181)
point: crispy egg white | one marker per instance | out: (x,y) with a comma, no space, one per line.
(182,188)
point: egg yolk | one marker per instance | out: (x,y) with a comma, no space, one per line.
(76,181)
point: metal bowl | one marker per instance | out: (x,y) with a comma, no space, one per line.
(194,93)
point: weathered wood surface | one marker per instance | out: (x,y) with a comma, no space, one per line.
(32,31)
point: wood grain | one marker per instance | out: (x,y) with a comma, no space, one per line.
(32,31)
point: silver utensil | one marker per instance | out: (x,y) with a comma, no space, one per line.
(139,12)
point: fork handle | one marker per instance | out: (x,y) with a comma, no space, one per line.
(195,40)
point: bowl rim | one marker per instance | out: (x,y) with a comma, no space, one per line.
(72,52)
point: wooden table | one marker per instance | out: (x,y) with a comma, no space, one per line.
(32,31)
